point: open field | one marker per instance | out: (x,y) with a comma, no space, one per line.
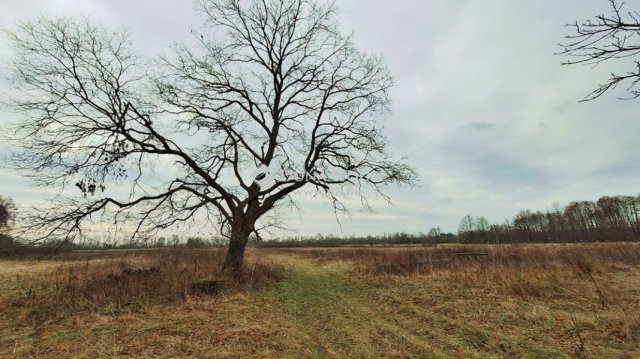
(531,301)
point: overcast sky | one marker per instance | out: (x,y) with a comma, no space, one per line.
(481,107)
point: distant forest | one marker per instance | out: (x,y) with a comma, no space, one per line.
(610,218)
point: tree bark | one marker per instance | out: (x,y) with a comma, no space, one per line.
(240,231)
(235,254)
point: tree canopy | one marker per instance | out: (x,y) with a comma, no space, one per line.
(607,38)
(177,140)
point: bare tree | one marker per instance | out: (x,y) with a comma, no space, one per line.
(7,214)
(605,38)
(481,224)
(467,224)
(434,232)
(271,85)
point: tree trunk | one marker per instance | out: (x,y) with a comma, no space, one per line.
(235,252)
(242,225)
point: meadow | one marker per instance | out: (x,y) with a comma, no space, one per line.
(439,301)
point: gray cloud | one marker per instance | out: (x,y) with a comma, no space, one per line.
(482,107)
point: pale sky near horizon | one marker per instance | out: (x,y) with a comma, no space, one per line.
(481,108)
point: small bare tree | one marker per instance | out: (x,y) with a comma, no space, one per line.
(271,85)
(606,38)
(7,214)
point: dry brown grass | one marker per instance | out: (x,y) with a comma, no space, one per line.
(530,301)
(598,282)
(139,304)
(542,271)
(108,281)
(482,263)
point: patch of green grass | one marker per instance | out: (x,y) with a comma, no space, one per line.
(327,310)
(339,316)
(614,345)
(66,334)
(539,353)
(475,338)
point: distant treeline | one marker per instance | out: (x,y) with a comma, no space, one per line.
(335,241)
(610,218)
(10,246)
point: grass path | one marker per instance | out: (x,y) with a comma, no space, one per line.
(340,317)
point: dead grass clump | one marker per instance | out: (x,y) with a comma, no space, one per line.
(130,279)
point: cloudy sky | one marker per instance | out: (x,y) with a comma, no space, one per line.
(481,107)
